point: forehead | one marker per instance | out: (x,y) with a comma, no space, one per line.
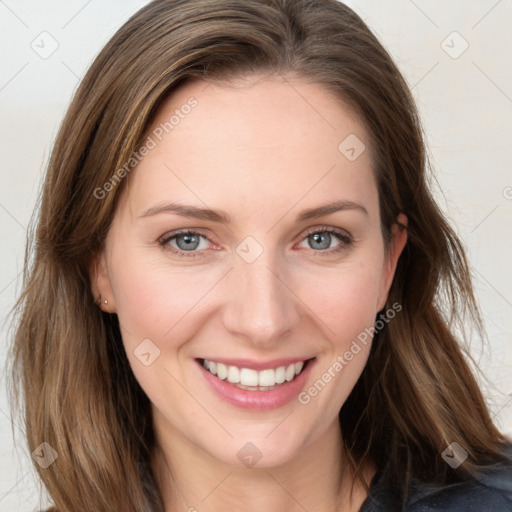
(265,142)
(259,110)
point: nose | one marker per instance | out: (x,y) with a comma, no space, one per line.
(261,306)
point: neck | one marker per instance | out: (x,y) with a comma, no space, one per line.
(319,478)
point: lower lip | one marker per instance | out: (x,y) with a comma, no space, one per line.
(258,400)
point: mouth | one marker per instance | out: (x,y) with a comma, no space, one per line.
(252,385)
(251,379)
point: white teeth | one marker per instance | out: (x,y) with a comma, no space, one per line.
(248,377)
(290,372)
(280,374)
(222,371)
(267,378)
(253,378)
(212,366)
(233,375)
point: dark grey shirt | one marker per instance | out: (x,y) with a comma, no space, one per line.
(491,492)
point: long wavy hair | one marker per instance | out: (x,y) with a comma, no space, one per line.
(71,377)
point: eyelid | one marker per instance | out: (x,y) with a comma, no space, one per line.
(184,231)
(328,229)
(344,236)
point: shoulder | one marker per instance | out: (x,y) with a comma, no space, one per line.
(489,492)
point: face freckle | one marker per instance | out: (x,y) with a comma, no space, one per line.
(250,234)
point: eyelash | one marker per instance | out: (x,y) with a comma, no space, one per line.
(345,239)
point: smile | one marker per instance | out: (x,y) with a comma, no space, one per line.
(256,385)
(254,380)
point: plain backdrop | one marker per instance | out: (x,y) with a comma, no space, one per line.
(456,57)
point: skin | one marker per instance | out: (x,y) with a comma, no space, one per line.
(262,150)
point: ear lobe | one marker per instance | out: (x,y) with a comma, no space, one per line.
(100,283)
(396,246)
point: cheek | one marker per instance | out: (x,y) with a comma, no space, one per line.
(159,310)
(160,302)
(344,299)
(156,301)
(345,304)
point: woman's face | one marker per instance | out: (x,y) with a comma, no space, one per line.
(248,241)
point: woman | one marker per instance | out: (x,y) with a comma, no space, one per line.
(241,293)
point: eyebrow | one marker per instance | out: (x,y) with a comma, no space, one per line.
(223,218)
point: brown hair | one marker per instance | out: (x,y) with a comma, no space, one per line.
(417,393)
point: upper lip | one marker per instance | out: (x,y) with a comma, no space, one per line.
(257,365)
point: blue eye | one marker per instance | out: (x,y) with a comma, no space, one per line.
(324,240)
(320,241)
(185,242)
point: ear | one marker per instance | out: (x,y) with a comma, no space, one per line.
(396,246)
(100,283)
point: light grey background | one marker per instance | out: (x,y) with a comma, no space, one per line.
(465,99)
